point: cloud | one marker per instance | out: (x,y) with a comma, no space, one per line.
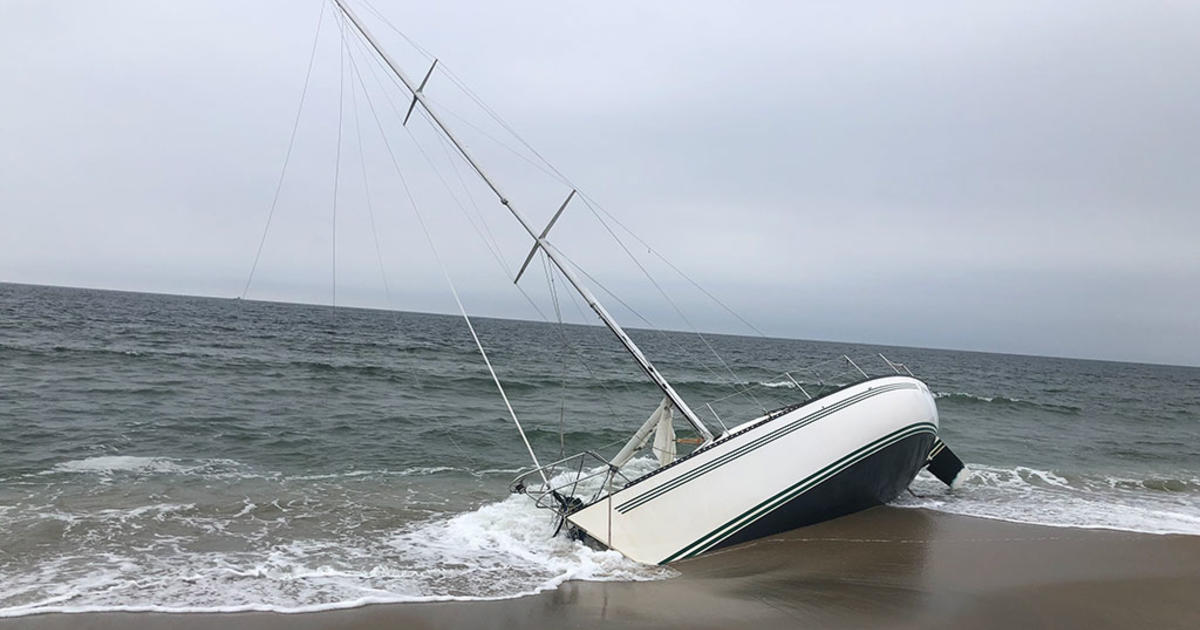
(1017,177)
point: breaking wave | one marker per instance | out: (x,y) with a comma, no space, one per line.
(319,550)
(965,398)
(501,550)
(108,466)
(1154,505)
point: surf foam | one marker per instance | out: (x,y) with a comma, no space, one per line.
(1042,497)
(500,550)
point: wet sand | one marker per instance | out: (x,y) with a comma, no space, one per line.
(886,567)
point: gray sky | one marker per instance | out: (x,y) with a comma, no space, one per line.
(1017,177)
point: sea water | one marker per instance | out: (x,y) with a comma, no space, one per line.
(198,454)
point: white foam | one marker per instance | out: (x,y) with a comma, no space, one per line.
(416,471)
(107,465)
(512,537)
(313,549)
(500,550)
(940,395)
(1041,497)
(110,464)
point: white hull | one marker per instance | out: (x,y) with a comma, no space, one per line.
(857,447)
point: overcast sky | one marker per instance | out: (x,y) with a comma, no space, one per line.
(1015,177)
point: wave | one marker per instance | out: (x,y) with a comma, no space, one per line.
(415,471)
(973,399)
(1154,505)
(107,466)
(501,550)
(963,398)
(321,551)
(248,355)
(401,372)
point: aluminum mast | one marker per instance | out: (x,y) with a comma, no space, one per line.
(540,240)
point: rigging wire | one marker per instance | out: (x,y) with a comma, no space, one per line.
(672,303)
(491,245)
(287,156)
(504,124)
(496,255)
(735,379)
(554,171)
(549,169)
(387,290)
(337,164)
(592,205)
(562,408)
(529,299)
(424,117)
(557,174)
(655,329)
(663,258)
(421,49)
(738,388)
(577,352)
(449,281)
(362,161)
(442,106)
(456,168)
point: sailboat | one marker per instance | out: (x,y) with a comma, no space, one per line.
(849,449)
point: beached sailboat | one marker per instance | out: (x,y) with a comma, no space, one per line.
(825,456)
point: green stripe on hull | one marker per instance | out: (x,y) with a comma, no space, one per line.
(755,444)
(744,519)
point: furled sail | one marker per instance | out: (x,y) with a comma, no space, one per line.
(664,438)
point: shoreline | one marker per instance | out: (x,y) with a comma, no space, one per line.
(885,567)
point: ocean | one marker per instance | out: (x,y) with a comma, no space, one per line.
(198,454)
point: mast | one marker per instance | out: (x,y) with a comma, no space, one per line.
(539,239)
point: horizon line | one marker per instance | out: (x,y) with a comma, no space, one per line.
(599,325)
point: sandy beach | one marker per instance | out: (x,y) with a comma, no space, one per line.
(887,567)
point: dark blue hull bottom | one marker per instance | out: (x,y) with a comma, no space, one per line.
(875,480)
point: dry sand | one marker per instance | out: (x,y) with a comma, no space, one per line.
(886,567)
